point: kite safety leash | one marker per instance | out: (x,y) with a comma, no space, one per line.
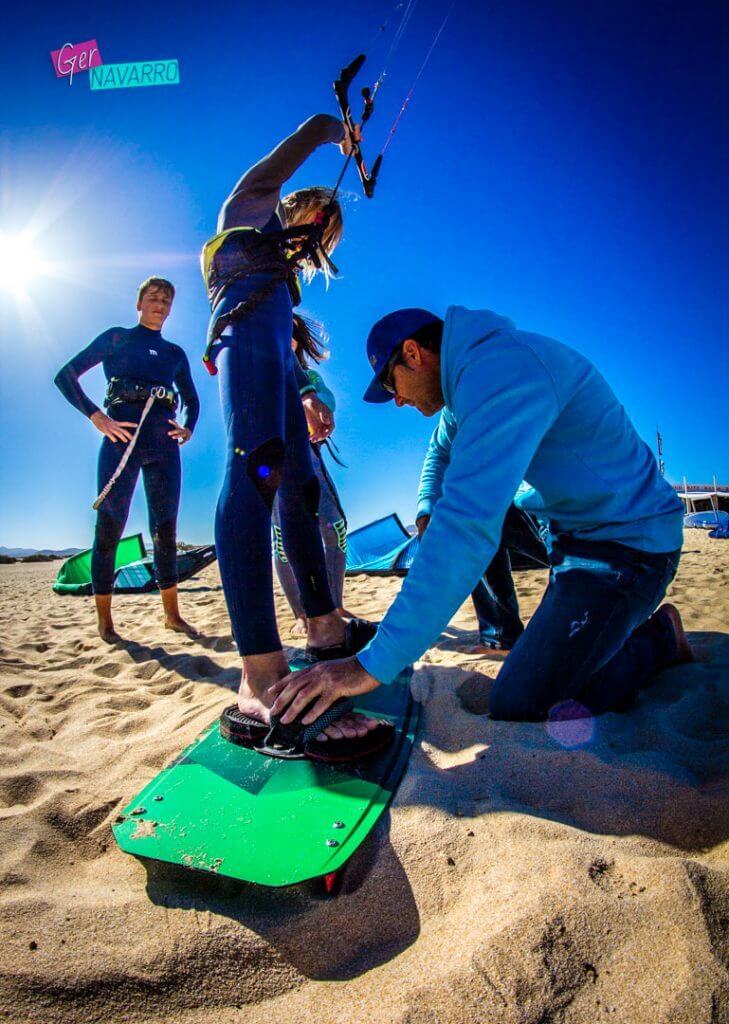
(154,392)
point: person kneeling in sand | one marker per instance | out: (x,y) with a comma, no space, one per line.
(515,406)
(143,369)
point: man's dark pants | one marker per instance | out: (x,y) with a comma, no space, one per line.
(589,642)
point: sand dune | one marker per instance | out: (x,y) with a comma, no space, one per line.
(524,874)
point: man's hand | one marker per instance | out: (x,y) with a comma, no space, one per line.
(328,681)
(422,524)
(181,434)
(345,146)
(115,430)
(319,417)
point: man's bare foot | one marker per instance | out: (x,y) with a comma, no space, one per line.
(299,627)
(684,652)
(348,726)
(179,625)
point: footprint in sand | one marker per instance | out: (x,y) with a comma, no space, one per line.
(147,671)
(20,790)
(22,690)
(127,702)
(107,670)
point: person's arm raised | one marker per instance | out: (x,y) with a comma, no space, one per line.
(259,187)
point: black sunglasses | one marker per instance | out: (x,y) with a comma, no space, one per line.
(386,379)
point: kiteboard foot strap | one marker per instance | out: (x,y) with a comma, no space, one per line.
(295,741)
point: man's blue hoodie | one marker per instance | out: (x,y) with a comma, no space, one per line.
(518,406)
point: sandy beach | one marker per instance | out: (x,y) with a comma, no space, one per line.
(523,875)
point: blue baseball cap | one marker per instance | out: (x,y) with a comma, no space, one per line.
(384,338)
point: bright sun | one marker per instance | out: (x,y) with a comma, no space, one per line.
(19,262)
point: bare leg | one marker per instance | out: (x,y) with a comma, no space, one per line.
(173,619)
(104,620)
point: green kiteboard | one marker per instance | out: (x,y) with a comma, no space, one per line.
(228,810)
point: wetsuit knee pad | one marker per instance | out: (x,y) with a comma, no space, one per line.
(340,530)
(265,468)
(278,548)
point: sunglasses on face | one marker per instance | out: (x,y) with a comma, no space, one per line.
(386,378)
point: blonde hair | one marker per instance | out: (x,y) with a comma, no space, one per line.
(302,206)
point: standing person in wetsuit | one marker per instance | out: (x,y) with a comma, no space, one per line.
(332,521)
(135,360)
(268,454)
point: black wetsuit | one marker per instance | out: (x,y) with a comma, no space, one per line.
(141,355)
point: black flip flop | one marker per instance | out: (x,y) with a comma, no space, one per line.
(294,742)
(357,634)
(242,729)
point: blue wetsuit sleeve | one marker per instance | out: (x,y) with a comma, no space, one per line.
(321,389)
(256,195)
(504,403)
(188,392)
(67,378)
(302,379)
(436,462)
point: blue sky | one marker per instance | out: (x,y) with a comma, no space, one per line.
(564,164)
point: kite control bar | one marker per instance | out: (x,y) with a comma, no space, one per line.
(341,91)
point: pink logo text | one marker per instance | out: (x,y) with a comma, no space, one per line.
(73,57)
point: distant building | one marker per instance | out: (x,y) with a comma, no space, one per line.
(703,497)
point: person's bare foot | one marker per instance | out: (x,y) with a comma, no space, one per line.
(180,626)
(104,620)
(670,612)
(498,653)
(325,630)
(299,627)
(348,726)
(108,634)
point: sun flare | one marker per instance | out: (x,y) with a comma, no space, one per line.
(19,262)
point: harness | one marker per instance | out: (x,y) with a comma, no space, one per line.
(243,251)
(122,389)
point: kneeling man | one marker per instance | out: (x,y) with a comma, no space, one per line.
(518,406)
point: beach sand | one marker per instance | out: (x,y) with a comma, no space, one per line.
(520,877)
